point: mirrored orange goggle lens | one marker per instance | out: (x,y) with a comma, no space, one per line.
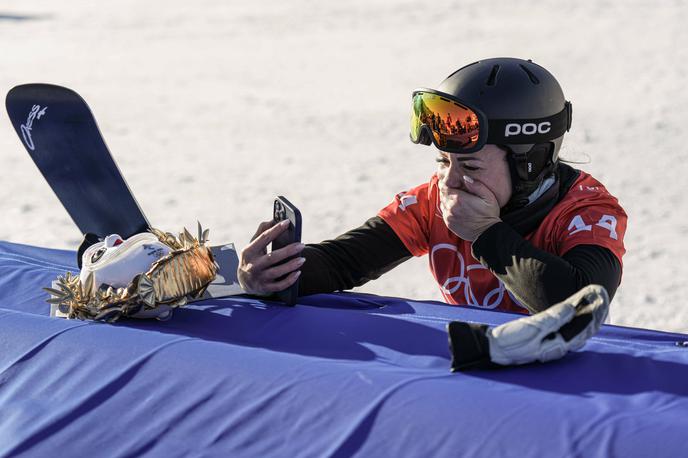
(452,125)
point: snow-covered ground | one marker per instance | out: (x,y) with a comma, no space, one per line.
(211,108)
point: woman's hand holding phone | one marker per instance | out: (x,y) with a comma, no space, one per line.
(262,273)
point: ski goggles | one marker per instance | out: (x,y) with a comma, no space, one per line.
(456,127)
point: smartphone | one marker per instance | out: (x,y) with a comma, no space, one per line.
(283,209)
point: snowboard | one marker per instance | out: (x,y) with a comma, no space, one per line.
(58,130)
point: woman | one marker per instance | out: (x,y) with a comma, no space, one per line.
(505,223)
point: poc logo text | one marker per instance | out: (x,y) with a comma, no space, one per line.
(528,128)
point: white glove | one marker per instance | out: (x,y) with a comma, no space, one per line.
(545,336)
(552,333)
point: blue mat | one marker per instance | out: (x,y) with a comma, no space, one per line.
(337,375)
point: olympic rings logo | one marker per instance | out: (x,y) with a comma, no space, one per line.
(452,284)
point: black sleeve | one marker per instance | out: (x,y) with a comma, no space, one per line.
(352,259)
(469,346)
(539,279)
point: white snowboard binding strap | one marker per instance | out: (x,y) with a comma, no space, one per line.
(543,337)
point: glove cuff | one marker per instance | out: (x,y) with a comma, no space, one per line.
(469,346)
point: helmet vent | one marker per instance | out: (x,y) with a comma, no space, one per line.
(493,76)
(530,74)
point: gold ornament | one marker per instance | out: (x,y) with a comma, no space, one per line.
(170,282)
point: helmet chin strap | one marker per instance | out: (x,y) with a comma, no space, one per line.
(526,218)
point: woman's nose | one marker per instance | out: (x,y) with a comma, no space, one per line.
(452,177)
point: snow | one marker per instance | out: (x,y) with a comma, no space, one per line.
(212,108)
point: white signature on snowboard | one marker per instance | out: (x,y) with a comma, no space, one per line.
(35,113)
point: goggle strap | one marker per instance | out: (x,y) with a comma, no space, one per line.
(519,131)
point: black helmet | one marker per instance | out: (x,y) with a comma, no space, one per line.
(520,95)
